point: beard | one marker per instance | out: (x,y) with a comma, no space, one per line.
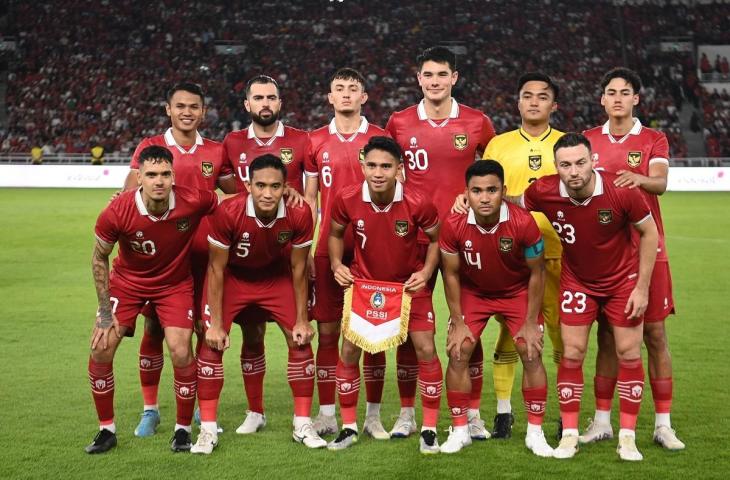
(264,122)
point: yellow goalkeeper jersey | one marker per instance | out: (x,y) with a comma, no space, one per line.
(525,159)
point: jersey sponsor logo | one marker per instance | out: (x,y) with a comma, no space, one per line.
(207,168)
(401,228)
(414,142)
(505,244)
(284,236)
(634,159)
(287,155)
(605,217)
(183,225)
(325,157)
(139,234)
(361,155)
(467,245)
(461,141)
(535,162)
(242,158)
(561,216)
(377,300)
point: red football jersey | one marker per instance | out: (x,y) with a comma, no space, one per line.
(595,233)
(437,153)
(154,251)
(636,152)
(335,159)
(493,262)
(385,235)
(198,167)
(256,250)
(290,144)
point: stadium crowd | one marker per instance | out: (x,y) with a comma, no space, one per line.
(77,81)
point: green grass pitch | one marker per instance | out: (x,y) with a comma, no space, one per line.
(47,416)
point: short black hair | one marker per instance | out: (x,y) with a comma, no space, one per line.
(348,73)
(538,77)
(438,55)
(155,154)
(386,144)
(190,87)
(631,77)
(482,168)
(266,161)
(571,139)
(262,80)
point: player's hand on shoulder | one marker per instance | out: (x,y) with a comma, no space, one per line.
(115,195)
(217,338)
(627,178)
(293,198)
(460,204)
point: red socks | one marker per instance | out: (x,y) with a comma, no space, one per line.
(476,373)
(407,365)
(348,389)
(603,388)
(253,369)
(186,382)
(374,373)
(327,356)
(630,390)
(101,377)
(151,360)
(430,380)
(661,390)
(210,382)
(570,390)
(300,374)
(458,407)
(535,399)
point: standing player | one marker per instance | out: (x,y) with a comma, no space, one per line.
(502,272)
(526,154)
(154,226)
(639,156)
(332,164)
(265,134)
(440,138)
(249,240)
(198,164)
(601,275)
(387,219)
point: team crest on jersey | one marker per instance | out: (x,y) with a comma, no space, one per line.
(634,159)
(361,155)
(284,236)
(287,155)
(461,141)
(207,168)
(505,244)
(605,217)
(535,162)
(401,228)
(183,225)
(377,300)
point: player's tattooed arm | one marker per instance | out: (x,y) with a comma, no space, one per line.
(648,243)
(100,270)
(336,248)
(457,332)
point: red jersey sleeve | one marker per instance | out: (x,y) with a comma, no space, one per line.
(208,201)
(134,162)
(635,205)
(427,216)
(660,149)
(303,228)
(531,232)
(220,233)
(310,159)
(448,242)
(530,197)
(486,134)
(390,127)
(106,228)
(339,211)
(226,167)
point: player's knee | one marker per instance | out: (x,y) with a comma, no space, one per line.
(425,351)
(458,364)
(153,328)
(253,334)
(574,351)
(181,354)
(655,338)
(102,356)
(328,328)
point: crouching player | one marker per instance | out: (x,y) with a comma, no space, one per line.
(249,266)
(502,272)
(154,226)
(386,217)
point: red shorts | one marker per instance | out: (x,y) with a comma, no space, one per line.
(422,318)
(327,296)
(174,306)
(580,308)
(274,298)
(661,301)
(478,308)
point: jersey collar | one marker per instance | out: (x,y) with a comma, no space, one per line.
(279,133)
(251,212)
(540,138)
(142,209)
(503,217)
(597,190)
(454,113)
(635,130)
(398,197)
(170,141)
(363,128)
